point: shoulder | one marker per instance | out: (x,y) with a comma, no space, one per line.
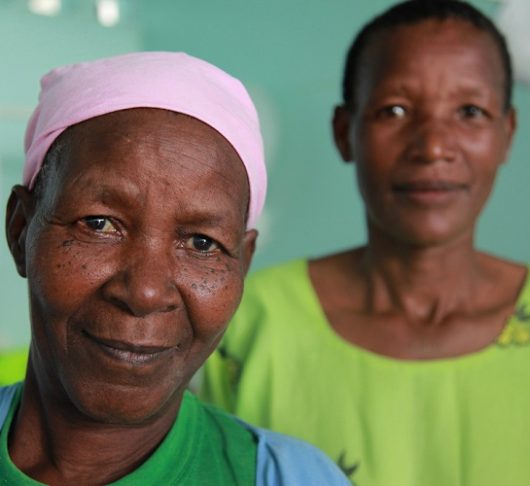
(280,459)
(286,460)
(503,282)
(270,298)
(285,273)
(227,425)
(7,394)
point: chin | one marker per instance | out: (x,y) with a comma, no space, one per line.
(126,405)
(433,237)
(426,232)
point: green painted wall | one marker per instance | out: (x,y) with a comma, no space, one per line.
(290,54)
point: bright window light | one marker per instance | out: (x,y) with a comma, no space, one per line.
(44,7)
(513,19)
(108,12)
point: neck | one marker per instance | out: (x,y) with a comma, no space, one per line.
(54,447)
(426,284)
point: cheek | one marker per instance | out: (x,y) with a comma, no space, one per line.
(63,275)
(485,155)
(212,293)
(373,171)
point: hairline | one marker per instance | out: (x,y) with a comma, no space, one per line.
(401,15)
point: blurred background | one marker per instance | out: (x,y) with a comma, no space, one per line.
(289,53)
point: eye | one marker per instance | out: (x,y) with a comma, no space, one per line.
(99,224)
(471,111)
(202,244)
(392,111)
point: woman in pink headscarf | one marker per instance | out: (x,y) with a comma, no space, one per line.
(144,176)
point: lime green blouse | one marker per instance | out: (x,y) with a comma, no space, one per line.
(451,422)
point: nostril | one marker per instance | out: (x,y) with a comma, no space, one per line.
(121,304)
(170,308)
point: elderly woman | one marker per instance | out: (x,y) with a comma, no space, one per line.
(144,176)
(407,360)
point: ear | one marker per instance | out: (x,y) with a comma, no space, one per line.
(511,124)
(19,212)
(510,127)
(341,131)
(249,247)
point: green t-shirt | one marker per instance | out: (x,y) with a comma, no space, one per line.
(450,422)
(204,447)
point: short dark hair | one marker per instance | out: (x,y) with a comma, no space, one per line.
(49,164)
(415,11)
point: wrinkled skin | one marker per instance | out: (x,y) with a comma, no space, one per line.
(135,257)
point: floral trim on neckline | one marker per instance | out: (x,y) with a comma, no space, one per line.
(517,330)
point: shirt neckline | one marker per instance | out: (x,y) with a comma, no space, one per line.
(486,352)
(176,448)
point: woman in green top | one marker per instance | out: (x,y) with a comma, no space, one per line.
(143,178)
(406,359)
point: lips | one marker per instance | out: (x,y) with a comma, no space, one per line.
(130,353)
(429,186)
(429,192)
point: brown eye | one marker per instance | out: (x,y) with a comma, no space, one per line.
(393,111)
(471,111)
(99,224)
(202,244)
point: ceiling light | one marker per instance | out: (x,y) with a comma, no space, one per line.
(108,12)
(513,19)
(44,7)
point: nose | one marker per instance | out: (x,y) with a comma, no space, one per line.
(145,282)
(433,140)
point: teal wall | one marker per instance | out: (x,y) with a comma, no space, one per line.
(30,45)
(290,54)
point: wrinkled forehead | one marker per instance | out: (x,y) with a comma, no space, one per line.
(147,141)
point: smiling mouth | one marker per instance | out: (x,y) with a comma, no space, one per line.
(130,353)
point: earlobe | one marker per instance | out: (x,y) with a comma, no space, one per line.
(249,247)
(18,214)
(341,131)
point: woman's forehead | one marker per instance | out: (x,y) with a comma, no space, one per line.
(139,128)
(434,41)
(160,146)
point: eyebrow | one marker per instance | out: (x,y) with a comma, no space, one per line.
(403,88)
(193,213)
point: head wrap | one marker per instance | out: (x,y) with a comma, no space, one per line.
(168,80)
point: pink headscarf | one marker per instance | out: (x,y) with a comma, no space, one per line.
(168,80)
